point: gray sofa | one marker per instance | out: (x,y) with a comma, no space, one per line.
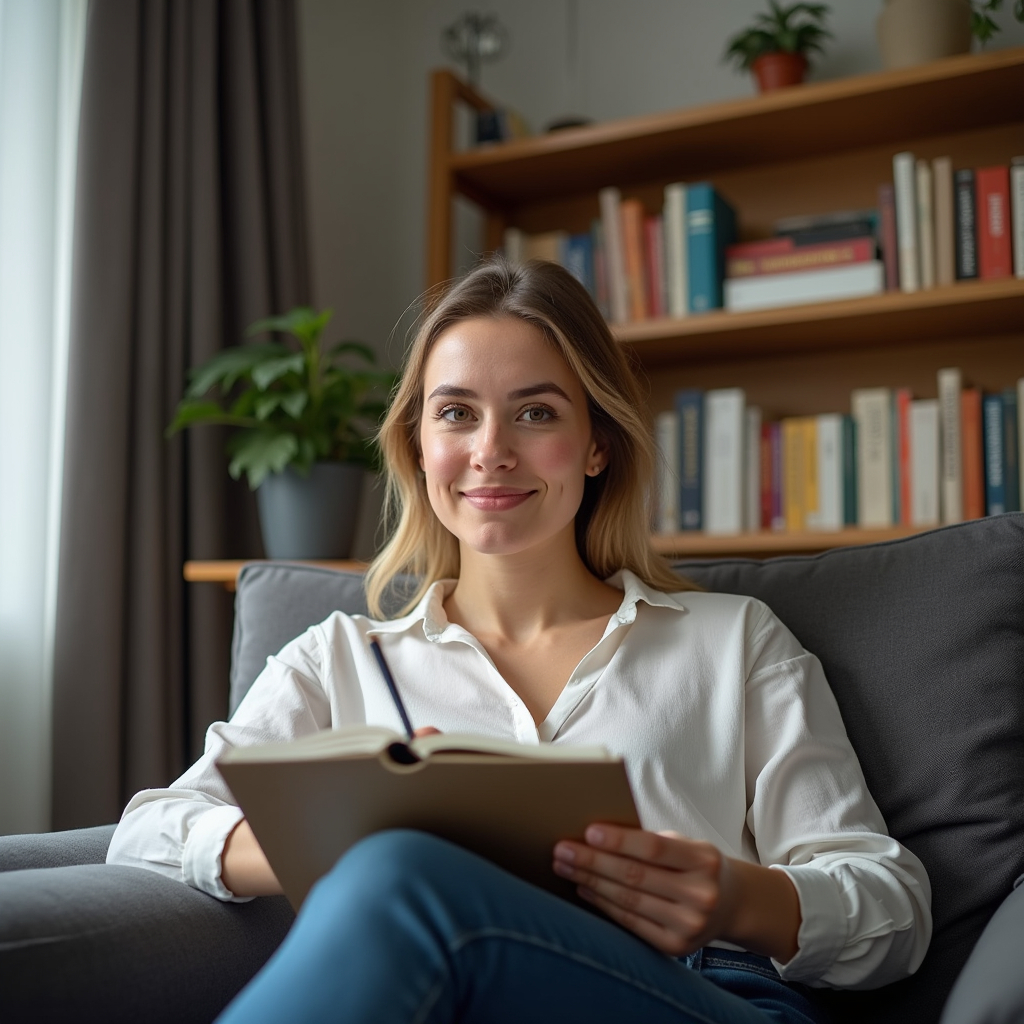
(923,643)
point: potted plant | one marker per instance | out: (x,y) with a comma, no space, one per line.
(776,47)
(304,417)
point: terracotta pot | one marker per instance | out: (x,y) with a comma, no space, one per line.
(917,31)
(777,70)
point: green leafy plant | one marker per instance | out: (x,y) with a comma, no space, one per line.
(798,28)
(293,404)
(982,25)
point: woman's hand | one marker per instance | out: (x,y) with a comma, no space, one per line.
(679,894)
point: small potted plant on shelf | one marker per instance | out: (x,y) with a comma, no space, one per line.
(776,47)
(304,417)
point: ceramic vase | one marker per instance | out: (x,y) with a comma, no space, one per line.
(917,31)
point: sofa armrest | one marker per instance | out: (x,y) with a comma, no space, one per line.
(55,849)
(102,942)
(990,988)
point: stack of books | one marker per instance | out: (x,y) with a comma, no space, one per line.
(893,460)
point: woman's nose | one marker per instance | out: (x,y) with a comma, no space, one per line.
(492,449)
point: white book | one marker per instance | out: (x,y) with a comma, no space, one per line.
(515,246)
(904,173)
(925,224)
(1017,219)
(872,412)
(752,483)
(942,202)
(951,493)
(805,286)
(614,255)
(724,464)
(676,266)
(667,438)
(924,462)
(829,515)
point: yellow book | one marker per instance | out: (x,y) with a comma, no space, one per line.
(794,473)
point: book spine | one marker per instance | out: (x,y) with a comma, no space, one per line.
(889,245)
(600,269)
(614,255)
(667,437)
(793,473)
(676,277)
(924,462)
(966,228)
(778,519)
(925,224)
(515,246)
(849,471)
(973,453)
(952,493)
(767,476)
(808,257)
(871,409)
(945,242)
(901,477)
(654,265)
(995,458)
(632,211)
(741,253)
(812,490)
(1011,417)
(829,429)
(752,462)
(710,227)
(1017,213)
(904,175)
(804,286)
(690,407)
(579,261)
(993,206)
(724,465)
(1020,437)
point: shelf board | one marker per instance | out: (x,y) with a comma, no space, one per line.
(226,572)
(973,308)
(767,544)
(945,96)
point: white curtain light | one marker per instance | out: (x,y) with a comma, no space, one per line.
(41,48)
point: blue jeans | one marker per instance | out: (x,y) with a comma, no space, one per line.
(409,929)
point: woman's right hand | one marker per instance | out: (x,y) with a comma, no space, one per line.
(244,868)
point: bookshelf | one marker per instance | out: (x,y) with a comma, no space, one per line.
(804,150)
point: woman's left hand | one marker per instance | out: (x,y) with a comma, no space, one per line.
(679,894)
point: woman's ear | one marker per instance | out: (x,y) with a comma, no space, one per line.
(597,457)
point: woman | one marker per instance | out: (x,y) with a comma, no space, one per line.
(518,460)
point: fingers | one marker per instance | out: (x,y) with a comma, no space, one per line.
(668,850)
(427,730)
(668,937)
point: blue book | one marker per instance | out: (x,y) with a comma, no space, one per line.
(690,407)
(579,261)
(1011,455)
(995,454)
(849,471)
(710,227)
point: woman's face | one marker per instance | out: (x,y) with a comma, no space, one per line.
(505,436)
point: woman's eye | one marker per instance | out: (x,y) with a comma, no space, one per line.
(537,414)
(454,414)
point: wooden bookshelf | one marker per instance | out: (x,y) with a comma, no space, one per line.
(804,150)
(226,572)
(766,544)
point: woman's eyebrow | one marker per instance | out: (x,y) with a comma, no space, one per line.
(547,387)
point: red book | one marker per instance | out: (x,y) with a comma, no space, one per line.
(764,247)
(632,212)
(992,193)
(973,455)
(655,266)
(903,399)
(767,475)
(890,249)
(803,258)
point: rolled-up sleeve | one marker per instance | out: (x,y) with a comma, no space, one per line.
(864,898)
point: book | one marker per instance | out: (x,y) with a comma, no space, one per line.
(1020,438)
(951,495)
(794,473)
(925,224)
(515,246)
(945,240)
(768,471)
(632,212)
(654,262)
(752,459)
(710,227)
(845,282)
(901,399)
(690,408)
(965,226)
(777,520)
(872,412)
(904,171)
(995,455)
(740,261)
(602,296)
(992,186)
(973,457)
(724,463)
(610,200)
(309,800)
(829,454)
(849,471)
(547,245)
(887,236)
(1017,215)
(676,273)
(667,439)
(835,226)
(579,260)
(924,462)
(1011,429)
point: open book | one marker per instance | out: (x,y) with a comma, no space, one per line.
(309,800)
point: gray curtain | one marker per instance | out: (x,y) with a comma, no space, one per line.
(189,225)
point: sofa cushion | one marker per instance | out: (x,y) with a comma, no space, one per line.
(922,641)
(55,849)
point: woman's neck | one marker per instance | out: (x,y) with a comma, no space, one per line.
(519,596)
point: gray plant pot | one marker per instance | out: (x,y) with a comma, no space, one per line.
(313,516)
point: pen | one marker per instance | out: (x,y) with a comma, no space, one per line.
(392,688)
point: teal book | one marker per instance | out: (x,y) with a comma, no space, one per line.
(849,471)
(995,454)
(690,407)
(710,227)
(579,261)
(1011,455)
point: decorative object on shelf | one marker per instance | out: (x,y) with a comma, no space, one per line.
(777,46)
(304,419)
(917,31)
(983,28)
(574,89)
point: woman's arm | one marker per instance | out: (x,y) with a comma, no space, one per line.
(679,894)
(245,870)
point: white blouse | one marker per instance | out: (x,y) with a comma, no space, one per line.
(727,727)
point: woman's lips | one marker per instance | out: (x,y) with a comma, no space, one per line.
(496,499)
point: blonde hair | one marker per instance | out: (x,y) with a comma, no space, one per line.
(613,522)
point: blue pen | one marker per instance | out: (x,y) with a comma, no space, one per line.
(392,688)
